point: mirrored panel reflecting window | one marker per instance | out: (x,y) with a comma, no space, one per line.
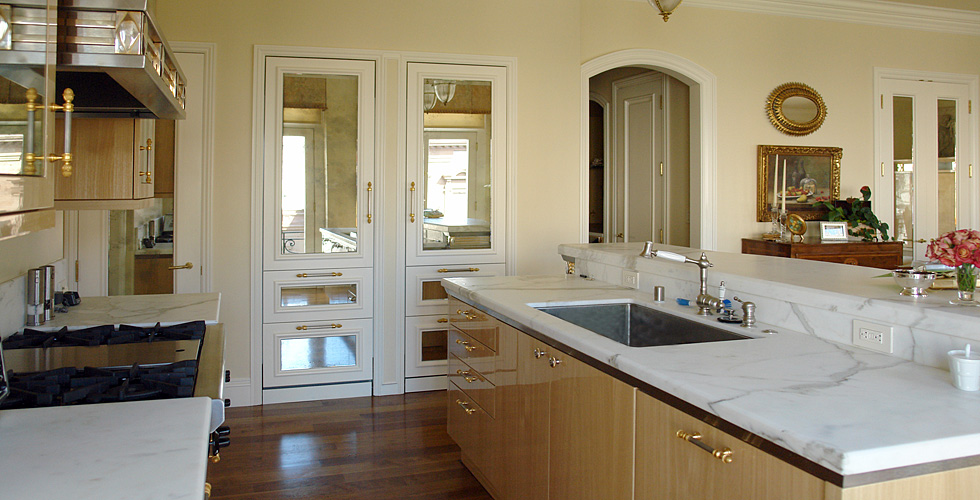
(319,164)
(433,290)
(947,181)
(21,131)
(904,168)
(318,295)
(456,181)
(310,353)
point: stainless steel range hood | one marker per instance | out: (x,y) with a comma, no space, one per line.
(117,62)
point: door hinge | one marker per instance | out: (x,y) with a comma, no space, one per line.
(661,236)
(661,169)
(661,102)
(76,271)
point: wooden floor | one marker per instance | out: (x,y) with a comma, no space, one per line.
(392,447)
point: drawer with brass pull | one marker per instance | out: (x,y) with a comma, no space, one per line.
(474,322)
(473,383)
(473,353)
(424,293)
(470,426)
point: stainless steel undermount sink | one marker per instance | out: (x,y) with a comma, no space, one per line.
(635,325)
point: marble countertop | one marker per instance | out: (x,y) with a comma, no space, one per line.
(134,450)
(849,410)
(139,310)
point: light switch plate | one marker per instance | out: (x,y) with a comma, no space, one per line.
(873,336)
(631,279)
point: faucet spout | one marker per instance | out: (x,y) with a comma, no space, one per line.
(706,303)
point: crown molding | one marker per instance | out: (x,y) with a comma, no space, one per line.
(873,12)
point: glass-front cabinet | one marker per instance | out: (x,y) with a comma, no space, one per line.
(27,58)
(456,154)
(318,221)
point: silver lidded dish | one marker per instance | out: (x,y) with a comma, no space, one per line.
(913,283)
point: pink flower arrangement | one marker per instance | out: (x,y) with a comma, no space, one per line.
(956,248)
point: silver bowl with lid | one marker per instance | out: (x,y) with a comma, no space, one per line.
(913,283)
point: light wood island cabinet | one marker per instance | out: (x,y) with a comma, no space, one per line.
(534,422)
(114,164)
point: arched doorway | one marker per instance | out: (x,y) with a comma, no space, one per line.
(703,140)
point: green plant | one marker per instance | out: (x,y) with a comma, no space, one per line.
(861,221)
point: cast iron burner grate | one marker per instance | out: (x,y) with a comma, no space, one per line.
(69,386)
(103,335)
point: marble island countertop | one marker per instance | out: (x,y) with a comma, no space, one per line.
(846,409)
(139,310)
(134,450)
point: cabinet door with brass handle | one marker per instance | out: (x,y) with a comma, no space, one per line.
(671,446)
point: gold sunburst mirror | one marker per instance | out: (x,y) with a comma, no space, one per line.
(796,109)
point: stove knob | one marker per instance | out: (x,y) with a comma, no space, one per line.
(223,442)
(224,430)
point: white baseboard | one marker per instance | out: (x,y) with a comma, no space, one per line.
(421,384)
(239,391)
(315,393)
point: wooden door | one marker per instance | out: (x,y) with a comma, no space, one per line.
(669,467)
(591,433)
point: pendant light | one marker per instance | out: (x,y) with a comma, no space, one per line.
(666,7)
(428,96)
(445,90)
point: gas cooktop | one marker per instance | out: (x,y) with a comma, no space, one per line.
(103,335)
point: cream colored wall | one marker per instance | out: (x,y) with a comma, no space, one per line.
(750,54)
(543,35)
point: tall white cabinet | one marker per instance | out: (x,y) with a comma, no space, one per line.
(347,287)
(454,188)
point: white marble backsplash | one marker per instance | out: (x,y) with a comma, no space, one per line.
(818,298)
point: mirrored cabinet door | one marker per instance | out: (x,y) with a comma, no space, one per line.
(319,163)
(456,155)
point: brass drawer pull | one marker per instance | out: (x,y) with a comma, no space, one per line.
(319,327)
(318,275)
(724,454)
(467,375)
(466,270)
(465,406)
(466,345)
(442,320)
(469,314)
(554,362)
(538,353)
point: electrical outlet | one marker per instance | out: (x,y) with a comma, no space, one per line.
(631,279)
(873,336)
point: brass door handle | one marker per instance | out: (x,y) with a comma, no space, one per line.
(370,189)
(411,210)
(465,406)
(318,275)
(331,326)
(188,265)
(724,454)
(68,107)
(466,345)
(920,240)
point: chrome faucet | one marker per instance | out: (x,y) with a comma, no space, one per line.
(706,303)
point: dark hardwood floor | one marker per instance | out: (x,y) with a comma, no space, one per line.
(392,447)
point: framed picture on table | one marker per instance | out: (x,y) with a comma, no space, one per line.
(833,231)
(812,174)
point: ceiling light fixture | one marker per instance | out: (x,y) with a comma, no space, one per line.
(428,97)
(445,90)
(666,7)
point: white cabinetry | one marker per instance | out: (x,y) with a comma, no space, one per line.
(318,231)
(456,154)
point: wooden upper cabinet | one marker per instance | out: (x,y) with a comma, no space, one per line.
(669,467)
(114,164)
(163,155)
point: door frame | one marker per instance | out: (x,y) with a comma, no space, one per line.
(972,216)
(608,174)
(704,116)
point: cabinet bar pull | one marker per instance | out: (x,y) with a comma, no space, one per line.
(303,328)
(465,406)
(466,345)
(442,320)
(318,275)
(188,265)
(68,107)
(725,454)
(411,210)
(461,270)
(369,190)
(469,314)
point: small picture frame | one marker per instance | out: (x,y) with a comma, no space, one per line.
(833,231)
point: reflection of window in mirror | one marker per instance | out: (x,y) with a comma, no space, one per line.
(319,164)
(456,165)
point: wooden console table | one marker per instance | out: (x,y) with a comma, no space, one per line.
(886,255)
